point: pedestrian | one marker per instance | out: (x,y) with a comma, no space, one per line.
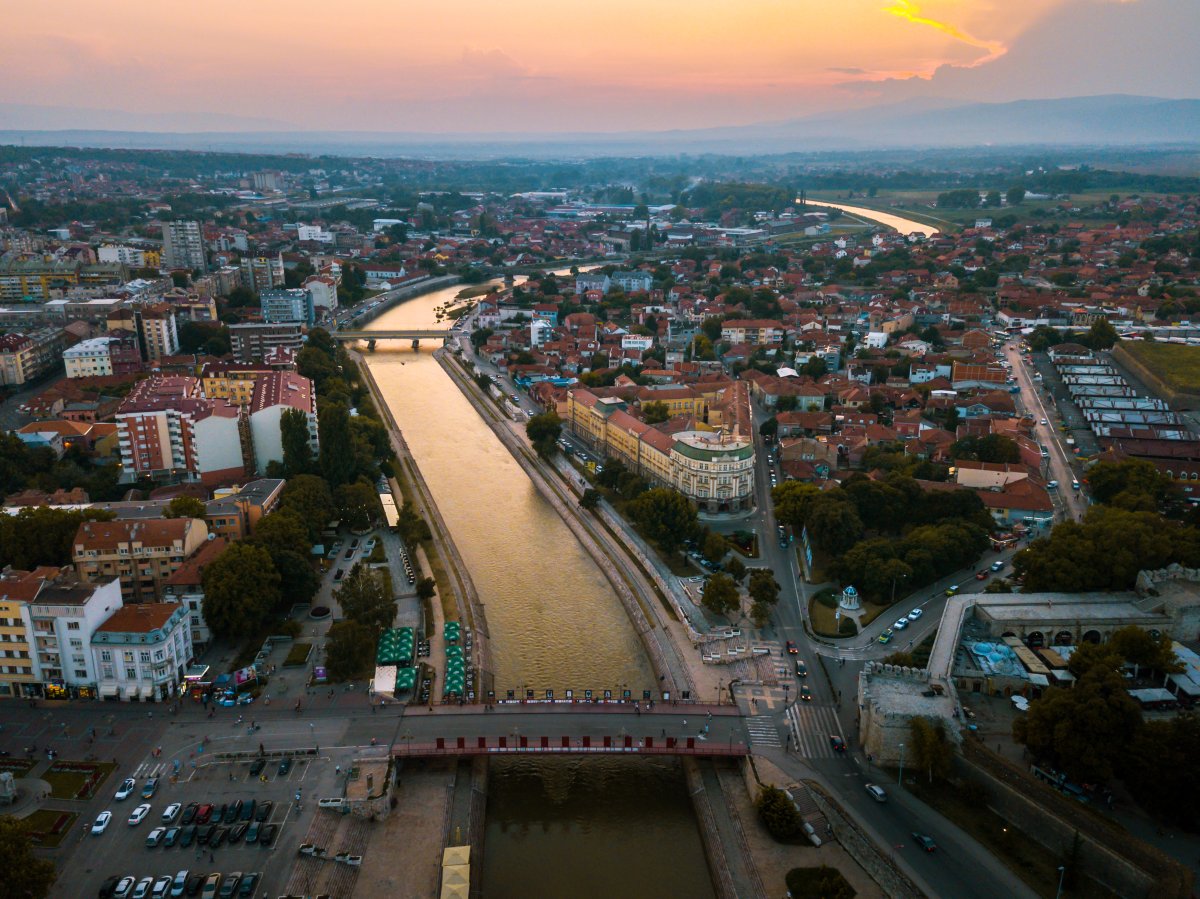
(337,770)
(211,857)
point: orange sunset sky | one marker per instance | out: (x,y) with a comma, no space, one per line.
(533,65)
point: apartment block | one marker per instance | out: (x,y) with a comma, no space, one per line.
(142,554)
(116,353)
(183,246)
(18,675)
(261,273)
(287,305)
(253,340)
(142,652)
(26,357)
(63,616)
(275,393)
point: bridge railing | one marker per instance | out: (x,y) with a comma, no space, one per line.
(567,745)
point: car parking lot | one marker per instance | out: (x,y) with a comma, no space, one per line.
(223,819)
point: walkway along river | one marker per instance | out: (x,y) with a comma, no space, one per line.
(903,225)
(563,827)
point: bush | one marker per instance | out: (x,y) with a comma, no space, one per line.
(818,883)
(779,814)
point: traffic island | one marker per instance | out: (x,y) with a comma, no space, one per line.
(76,780)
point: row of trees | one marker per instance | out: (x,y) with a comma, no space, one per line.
(24,467)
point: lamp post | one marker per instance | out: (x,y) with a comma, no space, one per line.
(900,779)
(1062,872)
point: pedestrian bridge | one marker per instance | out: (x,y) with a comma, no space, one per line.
(625,744)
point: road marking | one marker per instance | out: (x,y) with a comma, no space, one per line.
(811,726)
(763,732)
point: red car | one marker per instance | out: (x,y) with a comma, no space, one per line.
(204,814)
(791,647)
(982,575)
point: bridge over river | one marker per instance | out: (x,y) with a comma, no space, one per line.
(572,728)
(415,335)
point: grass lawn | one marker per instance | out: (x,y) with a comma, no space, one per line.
(1024,856)
(821,613)
(76,780)
(297,655)
(1177,365)
(49,827)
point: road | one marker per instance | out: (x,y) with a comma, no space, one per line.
(1068,503)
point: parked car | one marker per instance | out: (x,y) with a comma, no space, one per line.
(235,811)
(257,767)
(142,890)
(171,837)
(204,814)
(249,882)
(189,813)
(154,837)
(205,834)
(187,836)
(109,887)
(194,883)
(124,888)
(1053,485)
(212,883)
(235,835)
(101,822)
(264,810)
(218,837)
(169,813)
(285,765)
(220,813)
(230,884)
(876,792)
(248,810)
(139,814)
(252,833)
(179,884)
(266,836)
(128,785)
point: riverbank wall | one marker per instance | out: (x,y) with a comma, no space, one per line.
(391,298)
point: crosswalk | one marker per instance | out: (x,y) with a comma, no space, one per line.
(811,726)
(763,731)
(152,768)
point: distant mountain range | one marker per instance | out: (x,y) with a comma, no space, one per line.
(1114,119)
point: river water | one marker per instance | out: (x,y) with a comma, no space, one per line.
(903,225)
(579,827)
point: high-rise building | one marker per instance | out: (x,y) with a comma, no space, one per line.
(261,273)
(284,305)
(252,340)
(183,246)
(275,393)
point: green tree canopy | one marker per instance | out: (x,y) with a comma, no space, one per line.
(655,412)
(932,750)
(358,505)
(1130,484)
(715,547)
(241,587)
(720,595)
(793,500)
(543,431)
(184,507)
(337,450)
(365,598)
(666,516)
(309,499)
(25,875)
(41,535)
(779,814)
(350,651)
(763,586)
(297,450)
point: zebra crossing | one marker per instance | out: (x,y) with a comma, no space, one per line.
(811,726)
(151,768)
(764,731)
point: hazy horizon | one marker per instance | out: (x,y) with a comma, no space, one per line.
(135,66)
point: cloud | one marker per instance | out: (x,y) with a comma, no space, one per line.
(846,70)
(910,12)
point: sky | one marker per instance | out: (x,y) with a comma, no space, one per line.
(479,66)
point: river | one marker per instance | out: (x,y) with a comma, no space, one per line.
(580,827)
(903,225)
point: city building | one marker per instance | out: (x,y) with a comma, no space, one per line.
(26,357)
(157,329)
(253,340)
(116,353)
(287,305)
(167,429)
(230,381)
(274,393)
(63,616)
(141,652)
(186,588)
(18,676)
(143,554)
(26,280)
(261,273)
(183,246)
(133,257)
(323,290)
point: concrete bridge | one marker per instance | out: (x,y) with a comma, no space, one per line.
(416,336)
(571,728)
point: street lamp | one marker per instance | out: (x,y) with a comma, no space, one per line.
(900,779)
(1062,872)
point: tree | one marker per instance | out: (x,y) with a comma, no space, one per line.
(932,750)
(990,448)
(411,527)
(715,547)
(337,450)
(779,814)
(825,883)
(308,498)
(590,499)
(25,875)
(184,507)
(41,535)
(241,587)
(655,412)
(1101,335)
(426,587)
(992,199)
(349,650)
(358,505)
(1142,649)
(736,569)
(763,586)
(793,500)
(760,614)
(666,516)
(1015,195)
(297,449)
(769,428)
(543,432)
(720,595)
(1130,484)
(833,523)
(364,598)
(281,530)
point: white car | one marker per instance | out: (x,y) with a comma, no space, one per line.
(139,814)
(127,788)
(1053,485)
(877,793)
(1045,422)
(169,813)
(901,624)
(155,837)
(915,614)
(102,820)
(142,890)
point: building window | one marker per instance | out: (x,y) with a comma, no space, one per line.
(72,625)
(105,656)
(128,656)
(130,674)
(76,643)
(81,673)
(107,672)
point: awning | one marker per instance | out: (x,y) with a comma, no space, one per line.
(108,689)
